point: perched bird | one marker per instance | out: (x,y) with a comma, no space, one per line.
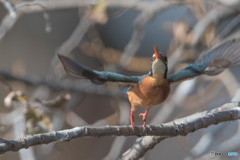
(154,87)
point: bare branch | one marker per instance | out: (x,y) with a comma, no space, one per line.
(214,16)
(69,45)
(64,85)
(144,144)
(29,7)
(141,146)
(7,23)
(139,23)
(42,6)
(228,112)
(9,20)
(9,7)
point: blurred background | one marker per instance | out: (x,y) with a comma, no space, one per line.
(117,38)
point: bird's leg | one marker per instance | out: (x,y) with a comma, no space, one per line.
(132,119)
(144,116)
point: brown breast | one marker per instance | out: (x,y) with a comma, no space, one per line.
(150,92)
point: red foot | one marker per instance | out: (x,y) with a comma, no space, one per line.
(132,119)
(144,117)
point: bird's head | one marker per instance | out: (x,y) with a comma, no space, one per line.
(159,64)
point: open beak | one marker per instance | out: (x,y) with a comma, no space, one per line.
(157,55)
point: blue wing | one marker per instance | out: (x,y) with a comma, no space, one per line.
(224,56)
(78,70)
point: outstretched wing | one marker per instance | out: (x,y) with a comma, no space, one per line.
(78,70)
(224,56)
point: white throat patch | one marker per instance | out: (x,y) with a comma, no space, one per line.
(158,67)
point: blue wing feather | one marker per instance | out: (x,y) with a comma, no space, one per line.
(189,72)
(214,62)
(78,70)
(105,76)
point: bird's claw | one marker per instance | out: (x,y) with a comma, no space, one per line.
(132,119)
(132,123)
(144,124)
(143,116)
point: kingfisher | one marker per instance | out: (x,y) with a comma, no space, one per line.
(153,88)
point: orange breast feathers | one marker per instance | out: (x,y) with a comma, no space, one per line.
(150,92)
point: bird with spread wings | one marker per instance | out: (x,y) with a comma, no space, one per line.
(154,87)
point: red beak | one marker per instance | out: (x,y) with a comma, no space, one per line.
(156,52)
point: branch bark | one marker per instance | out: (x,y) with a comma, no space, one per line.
(146,143)
(183,126)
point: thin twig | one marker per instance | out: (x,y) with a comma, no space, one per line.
(8,5)
(7,23)
(214,16)
(146,15)
(70,44)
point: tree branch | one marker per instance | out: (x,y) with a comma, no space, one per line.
(18,9)
(183,126)
(146,15)
(214,16)
(8,5)
(146,143)
(30,7)
(60,85)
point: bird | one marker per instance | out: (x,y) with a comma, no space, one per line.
(154,87)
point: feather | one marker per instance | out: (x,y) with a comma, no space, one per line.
(78,70)
(223,56)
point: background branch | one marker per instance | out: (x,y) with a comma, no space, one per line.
(57,85)
(214,16)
